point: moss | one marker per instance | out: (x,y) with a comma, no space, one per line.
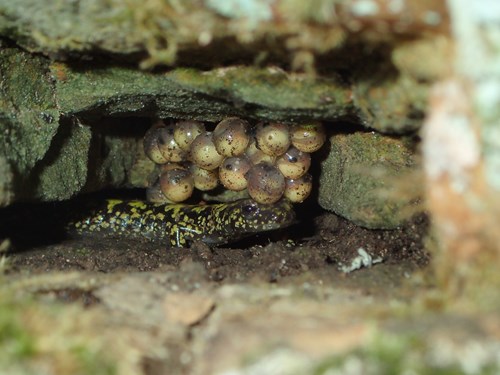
(390,102)
(15,342)
(369,179)
(189,93)
(66,172)
(28,111)
(6,177)
(271,89)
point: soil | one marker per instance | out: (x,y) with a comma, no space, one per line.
(209,310)
(325,244)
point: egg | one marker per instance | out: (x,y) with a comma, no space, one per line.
(204,179)
(266,184)
(231,136)
(294,163)
(177,184)
(185,133)
(256,156)
(151,147)
(168,147)
(297,190)
(155,195)
(308,137)
(203,152)
(232,173)
(273,139)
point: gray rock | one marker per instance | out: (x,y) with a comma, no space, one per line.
(29,119)
(369,179)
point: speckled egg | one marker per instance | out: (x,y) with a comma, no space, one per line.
(232,173)
(177,184)
(273,139)
(266,184)
(297,190)
(257,156)
(185,133)
(308,137)
(231,136)
(204,179)
(294,163)
(203,152)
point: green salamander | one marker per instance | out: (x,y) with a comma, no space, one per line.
(180,224)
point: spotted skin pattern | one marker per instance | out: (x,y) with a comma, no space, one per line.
(180,224)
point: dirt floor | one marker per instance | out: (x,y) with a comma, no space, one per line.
(297,301)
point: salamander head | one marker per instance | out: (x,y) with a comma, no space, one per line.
(248,216)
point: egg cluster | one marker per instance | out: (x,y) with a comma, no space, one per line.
(270,160)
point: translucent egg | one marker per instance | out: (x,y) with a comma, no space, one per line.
(273,139)
(232,173)
(231,136)
(294,163)
(177,184)
(155,195)
(308,137)
(297,190)
(266,184)
(257,156)
(203,152)
(186,131)
(151,146)
(204,179)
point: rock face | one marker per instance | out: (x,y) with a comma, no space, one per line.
(29,120)
(365,178)
(57,116)
(73,120)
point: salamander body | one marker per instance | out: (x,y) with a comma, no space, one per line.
(180,224)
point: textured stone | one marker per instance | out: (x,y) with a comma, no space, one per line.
(28,110)
(365,179)
(64,172)
(29,119)
(390,102)
(254,92)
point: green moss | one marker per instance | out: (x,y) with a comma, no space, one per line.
(369,179)
(90,361)
(28,111)
(270,88)
(181,93)
(390,102)
(66,173)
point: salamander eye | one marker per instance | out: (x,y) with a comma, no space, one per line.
(249,209)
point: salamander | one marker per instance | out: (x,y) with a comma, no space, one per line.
(180,224)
